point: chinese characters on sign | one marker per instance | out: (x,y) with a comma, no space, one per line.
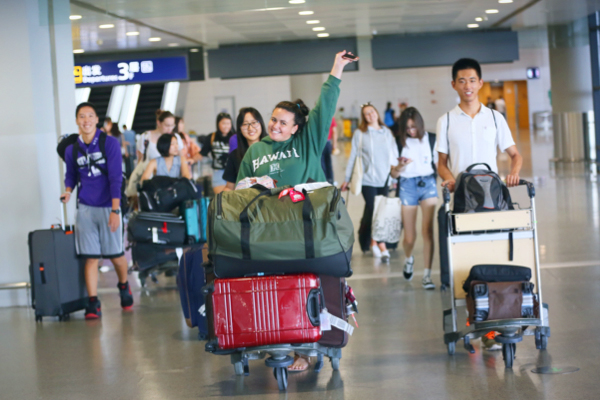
(134,71)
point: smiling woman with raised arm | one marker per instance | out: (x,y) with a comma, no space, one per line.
(292,152)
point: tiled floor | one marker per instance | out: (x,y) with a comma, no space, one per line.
(397,352)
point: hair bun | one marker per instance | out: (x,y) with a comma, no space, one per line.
(303,108)
(158,112)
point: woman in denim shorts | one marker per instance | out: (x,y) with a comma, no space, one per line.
(417,172)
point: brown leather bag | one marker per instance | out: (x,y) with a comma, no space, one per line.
(505,300)
(335,301)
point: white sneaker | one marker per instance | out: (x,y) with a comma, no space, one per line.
(385,256)
(376,251)
(408,268)
(427,283)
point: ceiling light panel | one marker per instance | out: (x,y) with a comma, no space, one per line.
(133,33)
(106,26)
(75,17)
(318,28)
(313,21)
(492,11)
(323,35)
(306,13)
(154,39)
(473,26)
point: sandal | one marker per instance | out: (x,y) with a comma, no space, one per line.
(296,358)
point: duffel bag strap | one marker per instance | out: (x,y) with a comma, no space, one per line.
(245,219)
(309,241)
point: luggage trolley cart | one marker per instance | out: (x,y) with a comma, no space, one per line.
(485,238)
(279,357)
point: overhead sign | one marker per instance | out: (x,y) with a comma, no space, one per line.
(122,72)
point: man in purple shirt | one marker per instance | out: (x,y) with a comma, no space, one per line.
(94,167)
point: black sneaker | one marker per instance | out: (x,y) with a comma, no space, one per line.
(408,268)
(126,296)
(93,310)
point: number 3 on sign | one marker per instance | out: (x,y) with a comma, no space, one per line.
(123,70)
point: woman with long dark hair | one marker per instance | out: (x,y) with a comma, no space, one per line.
(217,146)
(417,172)
(250,129)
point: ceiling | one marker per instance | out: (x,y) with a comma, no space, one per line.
(211,23)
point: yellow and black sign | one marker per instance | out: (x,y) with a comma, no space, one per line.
(78,74)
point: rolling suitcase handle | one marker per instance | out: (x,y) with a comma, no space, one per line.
(313,307)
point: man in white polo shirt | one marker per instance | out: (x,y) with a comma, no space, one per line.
(470,133)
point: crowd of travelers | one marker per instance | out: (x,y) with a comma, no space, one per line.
(293,147)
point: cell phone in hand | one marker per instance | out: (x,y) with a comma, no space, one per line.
(349,56)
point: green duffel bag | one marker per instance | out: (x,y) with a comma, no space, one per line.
(253,232)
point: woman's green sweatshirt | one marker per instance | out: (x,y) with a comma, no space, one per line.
(297,159)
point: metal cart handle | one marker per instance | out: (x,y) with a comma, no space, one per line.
(530,187)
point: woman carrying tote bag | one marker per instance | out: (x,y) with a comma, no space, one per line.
(417,172)
(374,145)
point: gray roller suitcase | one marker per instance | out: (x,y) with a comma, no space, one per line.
(57,275)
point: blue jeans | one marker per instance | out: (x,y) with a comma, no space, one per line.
(412,191)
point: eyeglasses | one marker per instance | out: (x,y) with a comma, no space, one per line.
(254,124)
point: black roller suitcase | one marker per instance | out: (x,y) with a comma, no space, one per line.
(57,275)
(158,228)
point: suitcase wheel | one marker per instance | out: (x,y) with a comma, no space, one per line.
(281,374)
(335,363)
(238,367)
(508,352)
(542,342)
(64,318)
(451,348)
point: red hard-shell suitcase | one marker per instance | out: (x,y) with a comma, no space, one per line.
(261,311)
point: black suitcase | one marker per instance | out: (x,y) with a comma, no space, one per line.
(158,228)
(57,275)
(165,199)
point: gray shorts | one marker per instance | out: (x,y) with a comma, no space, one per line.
(93,236)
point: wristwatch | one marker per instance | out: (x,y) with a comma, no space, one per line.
(117,211)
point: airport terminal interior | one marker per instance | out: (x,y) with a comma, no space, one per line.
(201,59)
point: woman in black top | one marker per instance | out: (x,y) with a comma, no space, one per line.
(250,129)
(217,145)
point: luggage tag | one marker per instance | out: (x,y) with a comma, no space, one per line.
(294,195)
(325,321)
(202,310)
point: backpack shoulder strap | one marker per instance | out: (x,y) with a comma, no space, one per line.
(431,137)
(494,116)
(75,151)
(102,144)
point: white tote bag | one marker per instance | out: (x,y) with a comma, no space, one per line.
(357,170)
(387,218)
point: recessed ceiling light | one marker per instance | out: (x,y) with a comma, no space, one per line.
(194,50)
(505,1)
(106,26)
(74,17)
(154,39)
(297,1)
(478,19)
(473,26)
(492,11)
(313,21)
(173,44)
(323,35)
(306,12)
(318,28)
(133,33)
(78,51)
